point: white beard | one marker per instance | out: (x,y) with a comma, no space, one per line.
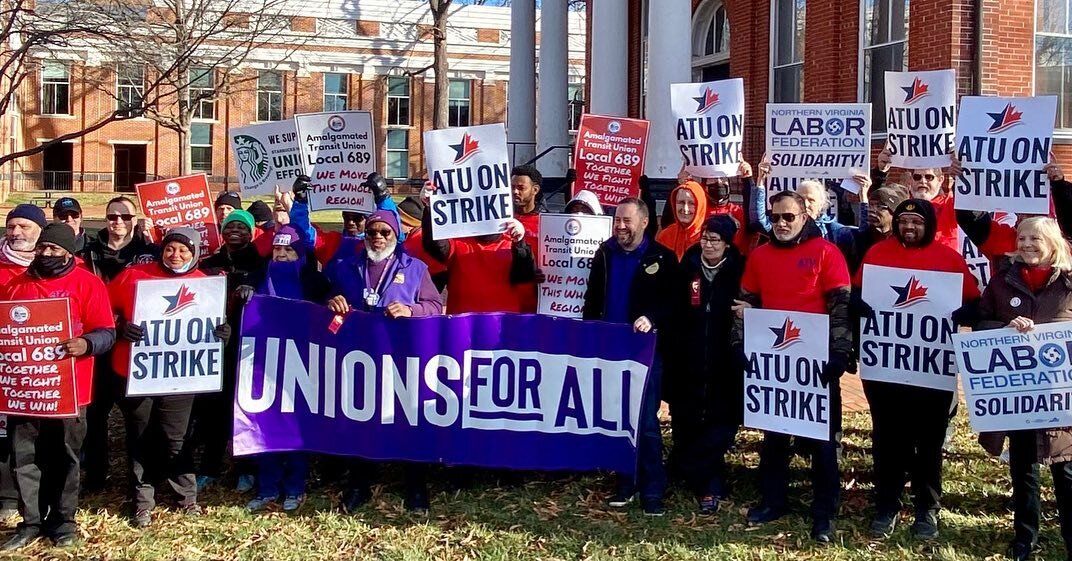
(377,256)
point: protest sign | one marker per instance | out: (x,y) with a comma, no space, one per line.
(908,339)
(1017,381)
(470,172)
(567,244)
(609,157)
(710,126)
(338,154)
(494,390)
(783,387)
(182,201)
(978,263)
(819,140)
(179,353)
(921,117)
(267,156)
(1004,144)
(37,378)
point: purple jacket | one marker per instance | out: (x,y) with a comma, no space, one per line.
(406,280)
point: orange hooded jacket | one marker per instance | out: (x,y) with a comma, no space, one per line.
(679,238)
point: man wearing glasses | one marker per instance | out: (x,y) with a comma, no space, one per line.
(68,211)
(799,271)
(929,184)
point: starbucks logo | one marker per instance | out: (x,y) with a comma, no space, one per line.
(252,159)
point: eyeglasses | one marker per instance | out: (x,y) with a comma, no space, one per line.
(68,214)
(381,232)
(919,177)
(788,217)
(711,241)
(116,217)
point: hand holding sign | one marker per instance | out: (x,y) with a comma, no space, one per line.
(73,347)
(1053,169)
(1022,324)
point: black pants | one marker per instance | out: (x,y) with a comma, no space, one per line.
(364,472)
(700,455)
(108,389)
(774,459)
(1024,469)
(156,433)
(44,457)
(908,431)
(9,496)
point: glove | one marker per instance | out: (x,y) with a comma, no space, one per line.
(833,370)
(222,332)
(739,360)
(244,293)
(300,188)
(860,308)
(132,332)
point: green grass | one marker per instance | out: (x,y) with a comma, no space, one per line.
(563,517)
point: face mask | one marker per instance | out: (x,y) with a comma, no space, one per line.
(49,266)
(181,270)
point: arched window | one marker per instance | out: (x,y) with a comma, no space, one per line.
(710,42)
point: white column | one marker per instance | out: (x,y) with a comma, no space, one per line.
(552,94)
(521,92)
(608,84)
(669,61)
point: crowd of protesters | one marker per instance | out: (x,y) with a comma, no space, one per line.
(688,281)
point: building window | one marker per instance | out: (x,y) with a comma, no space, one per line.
(711,42)
(397,153)
(885,41)
(576,105)
(1053,57)
(130,89)
(55,88)
(202,92)
(269,96)
(398,101)
(788,56)
(458,104)
(335,92)
(201,147)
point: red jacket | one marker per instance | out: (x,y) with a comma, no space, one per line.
(121,292)
(8,271)
(890,252)
(947,233)
(90,310)
(415,248)
(480,277)
(528,292)
(796,278)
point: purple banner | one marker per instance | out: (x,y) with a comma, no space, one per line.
(493,390)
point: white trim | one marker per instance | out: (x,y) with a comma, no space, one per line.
(773,47)
(134,142)
(862,26)
(704,15)
(1060,135)
(69,141)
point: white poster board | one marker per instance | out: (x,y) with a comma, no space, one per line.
(921,117)
(469,168)
(338,154)
(818,140)
(567,244)
(266,156)
(710,126)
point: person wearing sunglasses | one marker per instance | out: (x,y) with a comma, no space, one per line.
(107,254)
(68,211)
(799,271)
(928,184)
(383,279)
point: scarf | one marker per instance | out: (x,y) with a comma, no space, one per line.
(16,257)
(283,280)
(1036,278)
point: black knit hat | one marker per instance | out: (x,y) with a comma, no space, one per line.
(260,211)
(58,234)
(229,198)
(722,224)
(923,209)
(29,212)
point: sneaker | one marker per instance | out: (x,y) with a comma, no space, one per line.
(621,500)
(822,530)
(926,526)
(293,502)
(1020,551)
(653,507)
(143,518)
(192,509)
(260,503)
(245,483)
(883,524)
(355,499)
(761,514)
(65,540)
(204,481)
(417,503)
(708,505)
(21,539)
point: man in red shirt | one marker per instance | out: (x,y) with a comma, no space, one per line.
(525,182)
(24,224)
(799,271)
(929,184)
(907,442)
(45,449)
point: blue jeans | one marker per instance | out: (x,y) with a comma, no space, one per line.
(650,479)
(284,471)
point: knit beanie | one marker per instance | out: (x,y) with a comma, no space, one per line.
(58,234)
(239,215)
(722,224)
(29,212)
(260,211)
(288,236)
(229,198)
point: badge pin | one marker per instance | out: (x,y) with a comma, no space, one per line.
(1015,302)
(399,278)
(652,269)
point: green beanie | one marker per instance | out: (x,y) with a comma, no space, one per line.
(239,215)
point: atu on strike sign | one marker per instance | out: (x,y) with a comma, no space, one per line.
(1004,144)
(820,140)
(921,117)
(338,154)
(783,386)
(179,354)
(710,126)
(469,169)
(36,377)
(1016,381)
(908,341)
(567,244)
(183,201)
(609,157)
(267,156)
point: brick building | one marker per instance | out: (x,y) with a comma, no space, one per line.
(827,51)
(361,55)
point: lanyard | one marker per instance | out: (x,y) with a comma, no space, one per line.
(377,289)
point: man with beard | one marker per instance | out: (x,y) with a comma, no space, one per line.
(632,281)
(226,203)
(799,271)
(928,184)
(525,185)
(907,442)
(45,451)
(383,279)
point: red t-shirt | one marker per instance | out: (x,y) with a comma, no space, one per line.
(415,248)
(947,233)
(528,292)
(480,277)
(932,257)
(121,292)
(797,278)
(89,306)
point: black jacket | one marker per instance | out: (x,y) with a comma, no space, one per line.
(106,263)
(652,289)
(707,387)
(976,223)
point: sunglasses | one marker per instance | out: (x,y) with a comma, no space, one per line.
(381,232)
(788,217)
(116,217)
(68,214)
(919,177)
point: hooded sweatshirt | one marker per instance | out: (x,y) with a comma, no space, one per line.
(588,199)
(677,237)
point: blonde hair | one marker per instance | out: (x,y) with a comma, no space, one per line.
(1060,257)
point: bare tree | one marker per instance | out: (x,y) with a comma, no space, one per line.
(441,91)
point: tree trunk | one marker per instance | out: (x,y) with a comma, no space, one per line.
(439,66)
